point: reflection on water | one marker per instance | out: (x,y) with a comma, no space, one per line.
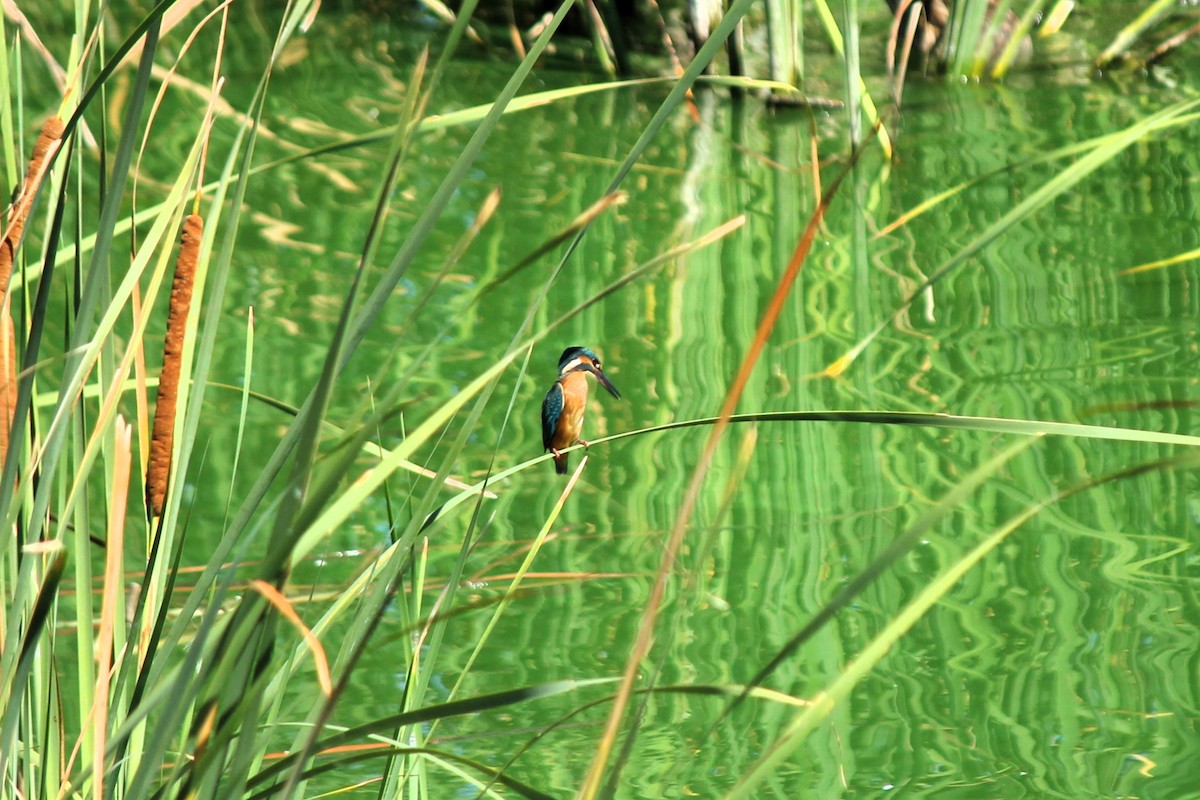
(1062,666)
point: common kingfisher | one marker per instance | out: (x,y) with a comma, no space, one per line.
(562,410)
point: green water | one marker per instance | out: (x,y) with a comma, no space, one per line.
(1065,665)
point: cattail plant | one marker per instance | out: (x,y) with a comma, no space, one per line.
(162,439)
(47,143)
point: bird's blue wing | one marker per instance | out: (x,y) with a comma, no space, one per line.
(552,408)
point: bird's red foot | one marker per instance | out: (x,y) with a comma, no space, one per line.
(584,443)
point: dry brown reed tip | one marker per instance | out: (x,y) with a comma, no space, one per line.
(162,439)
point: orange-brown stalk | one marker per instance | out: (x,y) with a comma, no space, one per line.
(47,142)
(162,439)
(8,374)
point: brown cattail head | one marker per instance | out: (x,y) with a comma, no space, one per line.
(162,440)
(45,145)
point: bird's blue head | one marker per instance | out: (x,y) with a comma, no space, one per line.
(581,358)
(573,357)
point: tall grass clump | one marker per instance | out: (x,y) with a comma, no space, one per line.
(116,679)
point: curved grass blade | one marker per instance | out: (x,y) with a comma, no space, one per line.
(1128,36)
(948,421)
(341,765)
(1158,123)
(899,546)
(472,705)
(951,421)
(1149,266)
(704,690)
(645,635)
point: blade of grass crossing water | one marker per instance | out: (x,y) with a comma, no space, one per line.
(294,497)
(1157,124)
(519,577)
(1129,35)
(645,636)
(321,489)
(474,705)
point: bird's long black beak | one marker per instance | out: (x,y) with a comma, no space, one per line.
(605,382)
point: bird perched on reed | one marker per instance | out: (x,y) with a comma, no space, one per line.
(562,410)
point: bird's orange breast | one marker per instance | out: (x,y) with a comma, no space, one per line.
(570,423)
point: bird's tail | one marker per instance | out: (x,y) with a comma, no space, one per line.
(560,464)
